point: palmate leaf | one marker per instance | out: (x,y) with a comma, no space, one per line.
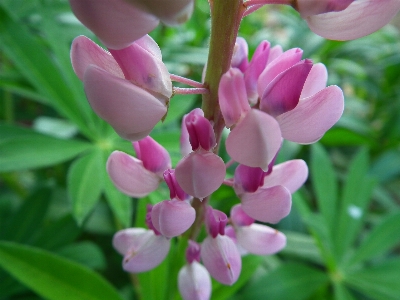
(53,277)
(22,149)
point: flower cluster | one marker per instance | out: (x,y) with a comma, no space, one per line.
(275,95)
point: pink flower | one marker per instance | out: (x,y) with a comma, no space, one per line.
(129,89)
(360,18)
(115,22)
(271,200)
(308,8)
(137,177)
(170,12)
(194,282)
(143,250)
(200,172)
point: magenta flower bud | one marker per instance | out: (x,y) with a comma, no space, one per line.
(115,22)
(193,252)
(185,146)
(172,217)
(268,205)
(194,282)
(130,176)
(221,258)
(255,141)
(142,249)
(254,70)
(200,173)
(248,179)
(308,8)
(233,97)
(201,133)
(141,63)
(215,221)
(260,239)
(175,191)
(239,217)
(283,92)
(240,53)
(368,15)
(281,63)
(155,157)
(170,12)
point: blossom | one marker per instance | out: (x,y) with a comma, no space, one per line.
(360,18)
(139,176)
(142,249)
(129,88)
(115,22)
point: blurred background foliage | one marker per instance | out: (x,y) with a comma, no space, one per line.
(59,210)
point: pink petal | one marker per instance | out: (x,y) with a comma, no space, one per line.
(283,93)
(275,52)
(268,205)
(194,282)
(200,130)
(283,62)
(124,239)
(359,19)
(221,258)
(255,140)
(240,54)
(291,174)
(215,221)
(255,68)
(144,69)
(233,97)
(260,239)
(247,179)
(146,252)
(154,157)
(185,146)
(314,7)
(115,22)
(172,217)
(175,190)
(315,82)
(130,176)
(130,110)
(239,217)
(313,116)
(85,52)
(200,173)
(172,13)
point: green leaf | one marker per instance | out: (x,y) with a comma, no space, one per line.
(29,217)
(288,281)
(53,277)
(25,149)
(86,253)
(380,282)
(355,199)
(387,166)
(85,184)
(381,239)
(303,246)
(342,292)
(324,184)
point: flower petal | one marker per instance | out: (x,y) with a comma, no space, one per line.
(283,92)
(172,217)
(315,82)
(116,23)
(85,52)
(200,173)
(260,239)
(359,19)
(130,176)
(194,282)
(268,205)
(130,110)
(313,116)
(291,174)
(221,258)
(126,238)
(255,140)
(147,251)
(314,7)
